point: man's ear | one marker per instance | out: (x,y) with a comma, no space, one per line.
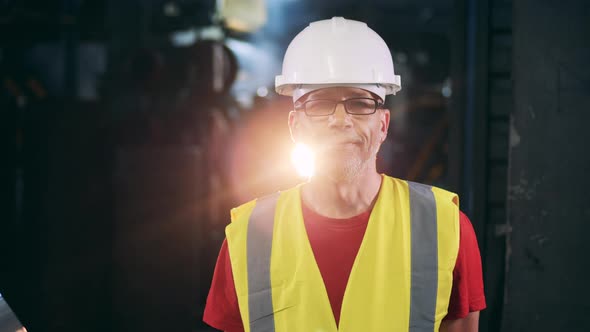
(385,117)
(294,126)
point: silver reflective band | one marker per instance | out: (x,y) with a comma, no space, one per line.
(424,278)
(259,247)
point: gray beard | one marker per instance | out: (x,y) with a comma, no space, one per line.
(344,168)
(344,171)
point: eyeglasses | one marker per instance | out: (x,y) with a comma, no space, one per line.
(325,107)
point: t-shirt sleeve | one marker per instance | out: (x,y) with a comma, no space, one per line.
(221,310)
(467,294)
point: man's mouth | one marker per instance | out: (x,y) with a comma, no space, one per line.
(343,142)
(336,145)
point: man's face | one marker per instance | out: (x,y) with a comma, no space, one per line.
(344,144)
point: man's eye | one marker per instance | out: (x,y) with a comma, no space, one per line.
(320,104)
(361,103)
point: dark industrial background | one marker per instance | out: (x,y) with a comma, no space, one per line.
(129,128)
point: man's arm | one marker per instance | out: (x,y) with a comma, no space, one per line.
(469,323)
(222,311)
(467,296)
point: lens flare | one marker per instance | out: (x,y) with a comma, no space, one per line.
(303,160)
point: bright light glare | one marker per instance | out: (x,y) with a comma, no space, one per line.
(302,158)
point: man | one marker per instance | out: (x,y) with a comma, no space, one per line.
(350,250)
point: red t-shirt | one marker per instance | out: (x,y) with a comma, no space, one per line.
(335,263)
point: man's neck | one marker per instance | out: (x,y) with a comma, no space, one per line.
(342,199)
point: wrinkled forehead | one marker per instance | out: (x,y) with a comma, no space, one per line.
(337,93)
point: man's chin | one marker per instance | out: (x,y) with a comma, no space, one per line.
(339,168)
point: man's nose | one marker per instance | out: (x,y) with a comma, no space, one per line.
(340,118)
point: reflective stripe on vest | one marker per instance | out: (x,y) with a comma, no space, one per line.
(424,253)
(260,228)
(424,258)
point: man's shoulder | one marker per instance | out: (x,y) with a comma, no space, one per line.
(237,213)
(416,184)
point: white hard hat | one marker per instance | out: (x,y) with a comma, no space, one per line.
(337,52)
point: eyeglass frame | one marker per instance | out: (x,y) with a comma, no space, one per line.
(378,105)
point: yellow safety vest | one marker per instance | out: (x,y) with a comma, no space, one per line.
(401,278)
